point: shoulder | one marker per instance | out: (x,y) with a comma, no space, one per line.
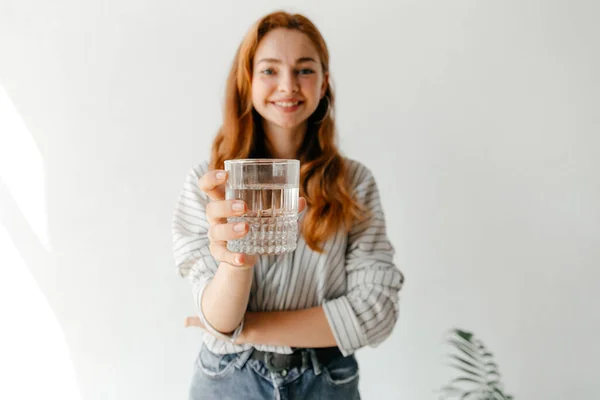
(193,175)
(358,173)
(198,170)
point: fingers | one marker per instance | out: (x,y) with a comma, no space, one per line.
(213,184)
(193,321)
(220,253)
(301,204)
(216,211)
(225,232)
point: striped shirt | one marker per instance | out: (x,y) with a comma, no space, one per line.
(355,279)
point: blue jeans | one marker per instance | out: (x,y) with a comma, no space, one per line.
(238,377)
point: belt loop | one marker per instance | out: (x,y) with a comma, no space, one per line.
(315,362)
(305,360)
(243,357)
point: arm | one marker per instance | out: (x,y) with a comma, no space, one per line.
(225,298)
(299,328)
(367,313)
(220,291)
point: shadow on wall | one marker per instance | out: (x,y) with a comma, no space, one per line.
(36,361)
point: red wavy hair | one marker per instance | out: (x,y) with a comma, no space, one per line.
(323,174)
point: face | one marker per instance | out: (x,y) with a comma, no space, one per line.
(288,81)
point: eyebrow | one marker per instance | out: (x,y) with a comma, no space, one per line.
(278,61)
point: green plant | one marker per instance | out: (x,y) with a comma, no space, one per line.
(479,378)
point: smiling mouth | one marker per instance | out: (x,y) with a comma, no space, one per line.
(287,104)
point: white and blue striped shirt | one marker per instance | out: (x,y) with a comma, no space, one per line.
(355,279)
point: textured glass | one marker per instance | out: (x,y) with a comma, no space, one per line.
(270,188)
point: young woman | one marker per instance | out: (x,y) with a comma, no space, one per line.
(285,326)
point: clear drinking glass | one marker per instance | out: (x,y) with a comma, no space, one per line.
(270,188)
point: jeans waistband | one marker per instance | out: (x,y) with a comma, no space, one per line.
(276,362)
(302,357)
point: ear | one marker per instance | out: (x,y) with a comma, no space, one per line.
(325,84)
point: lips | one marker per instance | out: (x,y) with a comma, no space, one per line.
(287,105)
(287,102)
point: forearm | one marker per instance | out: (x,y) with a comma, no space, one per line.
(225,298)
(301,328)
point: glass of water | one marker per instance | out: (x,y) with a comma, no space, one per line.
(270,188)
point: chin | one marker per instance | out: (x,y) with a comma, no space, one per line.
(290,125)
(287,123)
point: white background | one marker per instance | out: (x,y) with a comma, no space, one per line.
(479,119)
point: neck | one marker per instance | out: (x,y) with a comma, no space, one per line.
(282,142)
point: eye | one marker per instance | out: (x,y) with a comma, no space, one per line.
(268,71)
(306,71)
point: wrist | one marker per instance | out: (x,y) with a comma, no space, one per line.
(234,267)
(248,333)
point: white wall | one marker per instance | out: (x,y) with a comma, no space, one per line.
(479,119)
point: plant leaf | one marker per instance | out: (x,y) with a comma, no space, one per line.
(451,391)
(472,351)
(467,379)
(477,366)
(479,374)
(498,391)
(450,388)
(466,351)
(468,336)
(466,394)
(493,373)
(491,364)
(468,371)
(462,339)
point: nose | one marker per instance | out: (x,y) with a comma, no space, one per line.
(288,82)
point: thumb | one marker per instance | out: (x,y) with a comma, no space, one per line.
(193,321)
(301,204)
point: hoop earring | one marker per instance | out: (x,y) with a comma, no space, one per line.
(326,112)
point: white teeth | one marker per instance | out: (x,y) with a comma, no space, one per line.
(286,104)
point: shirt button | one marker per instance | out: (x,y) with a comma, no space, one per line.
(284,372)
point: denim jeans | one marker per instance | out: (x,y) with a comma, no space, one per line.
(238,377)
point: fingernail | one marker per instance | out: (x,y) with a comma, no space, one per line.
(239,227)
(220,175)
(238,259)
(237,206)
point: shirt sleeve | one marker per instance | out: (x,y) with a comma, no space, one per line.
(191,246)
(367,313)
